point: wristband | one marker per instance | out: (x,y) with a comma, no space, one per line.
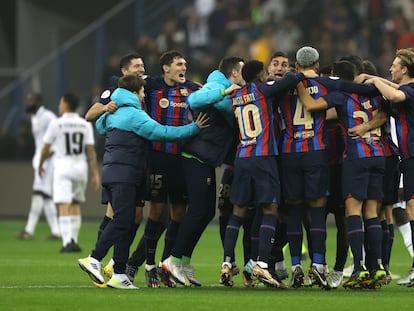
(223,93)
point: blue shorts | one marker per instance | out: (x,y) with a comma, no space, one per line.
(224,203)
(255,181)
(141,192)
(362,178)
(391,182)
(407,169)
(335,202)
(304,175)
(167,178)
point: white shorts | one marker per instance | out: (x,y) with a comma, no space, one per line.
(44,184)
(69,183)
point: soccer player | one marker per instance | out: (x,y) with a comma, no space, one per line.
(277,68)
(71,138)
(201,155)
(125,173)
(391,182)
(400,92)
(304,166)
(362,173)
(166,102)
(42,187)
(304,172)
(256,179)
(225,208)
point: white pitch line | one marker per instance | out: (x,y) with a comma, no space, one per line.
(78,286)
(44,286)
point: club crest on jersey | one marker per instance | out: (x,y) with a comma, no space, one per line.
(163,102)
(184,92)
(105,94)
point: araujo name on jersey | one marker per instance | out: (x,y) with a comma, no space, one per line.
(312,90)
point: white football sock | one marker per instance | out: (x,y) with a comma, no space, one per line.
(76,222)
(65,225)
(34,213)
(51,216)
(405,230)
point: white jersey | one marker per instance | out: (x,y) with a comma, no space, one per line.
(68,136)
(40,122)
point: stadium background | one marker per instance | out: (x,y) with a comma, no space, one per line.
(54,47)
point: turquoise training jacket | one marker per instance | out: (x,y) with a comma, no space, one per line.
(130,117)
(211,95)
(214,144)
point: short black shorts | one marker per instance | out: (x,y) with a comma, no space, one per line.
(255,181)
(362,178)
(167,178)
(304,175)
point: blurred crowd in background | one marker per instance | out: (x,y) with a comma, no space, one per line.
(207,30)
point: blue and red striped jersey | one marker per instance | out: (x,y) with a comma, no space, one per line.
(353,110)
(168,106)
(390,149)
(304,130)
(404,121)
(254,115)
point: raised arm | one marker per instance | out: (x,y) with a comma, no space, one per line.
(98,109)
(387,89)
(148,128)
(308,101)
(276,88)
(209,95)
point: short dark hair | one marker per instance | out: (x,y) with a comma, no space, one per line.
(369,67)
(33,102)
(279,54)
(356,60)
(344,70)
(251,69)
(168,57)
(325,70)
(227,65)
(126,59)
(71,100)
(131,83)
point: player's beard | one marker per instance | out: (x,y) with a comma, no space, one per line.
(32,109)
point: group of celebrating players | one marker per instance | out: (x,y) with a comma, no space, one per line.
(295,145)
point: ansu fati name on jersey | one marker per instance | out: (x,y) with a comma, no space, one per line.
(247,98)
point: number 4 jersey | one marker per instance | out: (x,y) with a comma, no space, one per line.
(68,136)
(305,131)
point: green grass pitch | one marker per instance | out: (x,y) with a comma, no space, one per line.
(35,276)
